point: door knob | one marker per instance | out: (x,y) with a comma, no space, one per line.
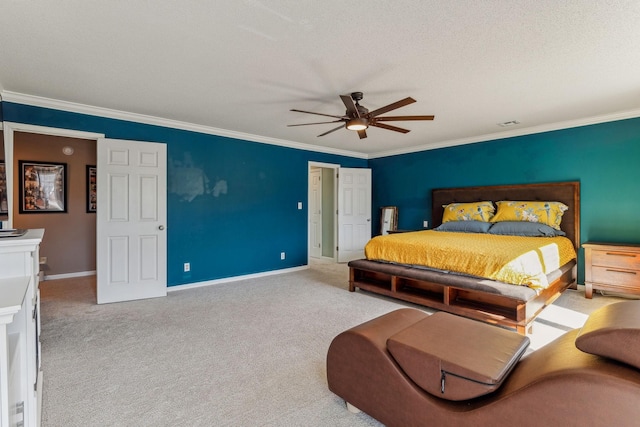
(161,227)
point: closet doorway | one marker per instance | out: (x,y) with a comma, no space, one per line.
(322,210)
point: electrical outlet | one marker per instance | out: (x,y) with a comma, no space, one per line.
(187,267)
(425,224)
(282,255)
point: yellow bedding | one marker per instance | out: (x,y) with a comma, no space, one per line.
(510,259)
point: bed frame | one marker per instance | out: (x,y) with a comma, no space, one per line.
(514,307)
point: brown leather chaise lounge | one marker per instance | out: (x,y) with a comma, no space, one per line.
(407,368)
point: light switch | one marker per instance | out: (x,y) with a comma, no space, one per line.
(299,205)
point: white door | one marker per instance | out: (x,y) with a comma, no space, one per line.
(354,212)
(131,220)
(315,213)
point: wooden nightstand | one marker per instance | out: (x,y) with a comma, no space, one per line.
(611,267)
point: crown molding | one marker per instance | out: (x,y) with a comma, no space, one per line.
(622,115)
(72,107)
(38,101)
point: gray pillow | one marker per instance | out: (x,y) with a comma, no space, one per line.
(464,226)
(524,228)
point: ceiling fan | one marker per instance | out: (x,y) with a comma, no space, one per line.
(359,118)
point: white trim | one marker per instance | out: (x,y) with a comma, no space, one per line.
(313,164)
(336,168)
(45,130)
(69,275)
(38,101)
(234,279)
(622,115)
(73,107)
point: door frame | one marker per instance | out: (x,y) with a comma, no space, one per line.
(9,128)
(335,167)
(315,184)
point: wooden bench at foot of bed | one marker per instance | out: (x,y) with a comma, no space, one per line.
(511,306)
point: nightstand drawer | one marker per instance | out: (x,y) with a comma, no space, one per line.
(611,267)
(616,276)
(616,259)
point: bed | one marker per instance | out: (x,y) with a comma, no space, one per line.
(491,300)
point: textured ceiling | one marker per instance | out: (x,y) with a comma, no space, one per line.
(241,65)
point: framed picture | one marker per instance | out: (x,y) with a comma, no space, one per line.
(3,189)
(43,187)
(92,196)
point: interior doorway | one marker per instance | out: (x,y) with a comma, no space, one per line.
(68,247)
(322,203)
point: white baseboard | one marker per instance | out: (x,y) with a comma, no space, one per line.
(234,279)
(69,275)
(191,285)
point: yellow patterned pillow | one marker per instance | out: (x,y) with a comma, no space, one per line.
(549,213)
(476,211)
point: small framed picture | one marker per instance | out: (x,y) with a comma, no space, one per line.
(43,187)
(3,189)
(92,196)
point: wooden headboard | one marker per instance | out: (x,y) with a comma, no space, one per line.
(565,192)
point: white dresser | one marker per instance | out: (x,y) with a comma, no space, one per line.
(20,373)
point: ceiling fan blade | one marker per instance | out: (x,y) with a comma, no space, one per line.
(403,118)
(408,100)
(389,127)
(352,111)
(319,114)
(362,134)
(316,123)
(332,130)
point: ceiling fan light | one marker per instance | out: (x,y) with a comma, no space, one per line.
(357,123)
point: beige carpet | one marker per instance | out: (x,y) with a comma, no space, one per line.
(246,353)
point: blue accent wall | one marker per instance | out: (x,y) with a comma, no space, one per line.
(232,204)
(605,158)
